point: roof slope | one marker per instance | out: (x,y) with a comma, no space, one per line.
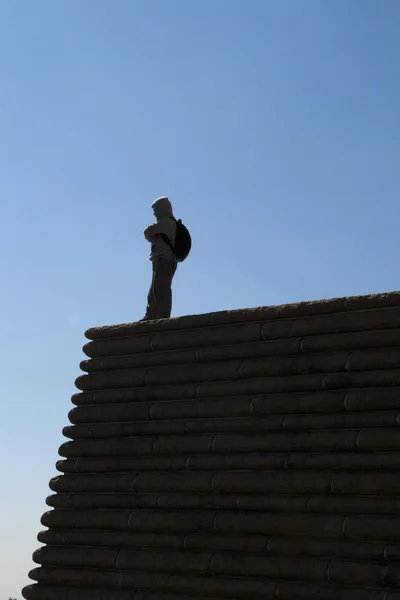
(244,454)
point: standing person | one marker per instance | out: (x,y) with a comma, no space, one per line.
(161,236)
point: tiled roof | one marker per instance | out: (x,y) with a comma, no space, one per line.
(237,455)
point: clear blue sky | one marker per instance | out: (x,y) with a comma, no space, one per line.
(273,126)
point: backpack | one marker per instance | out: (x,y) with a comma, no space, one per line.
(183,241)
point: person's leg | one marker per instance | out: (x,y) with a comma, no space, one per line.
(151,309)
(163,275)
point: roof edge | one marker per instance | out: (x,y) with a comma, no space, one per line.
(228,317)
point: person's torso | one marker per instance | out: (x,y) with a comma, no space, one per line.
(159,247)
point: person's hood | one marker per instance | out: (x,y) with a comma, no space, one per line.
(162,207)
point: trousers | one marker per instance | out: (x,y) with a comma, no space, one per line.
(159,299)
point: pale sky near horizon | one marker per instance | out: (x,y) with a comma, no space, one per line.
(273,126)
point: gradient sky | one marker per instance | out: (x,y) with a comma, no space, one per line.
(273,126)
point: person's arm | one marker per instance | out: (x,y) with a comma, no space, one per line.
(148,235)
(156,229)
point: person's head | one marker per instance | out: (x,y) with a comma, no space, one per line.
(162,207)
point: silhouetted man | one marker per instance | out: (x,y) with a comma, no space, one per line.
(161,236)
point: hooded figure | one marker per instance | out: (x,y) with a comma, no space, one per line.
(159,300)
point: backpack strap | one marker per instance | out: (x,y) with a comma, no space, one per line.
(166,238)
